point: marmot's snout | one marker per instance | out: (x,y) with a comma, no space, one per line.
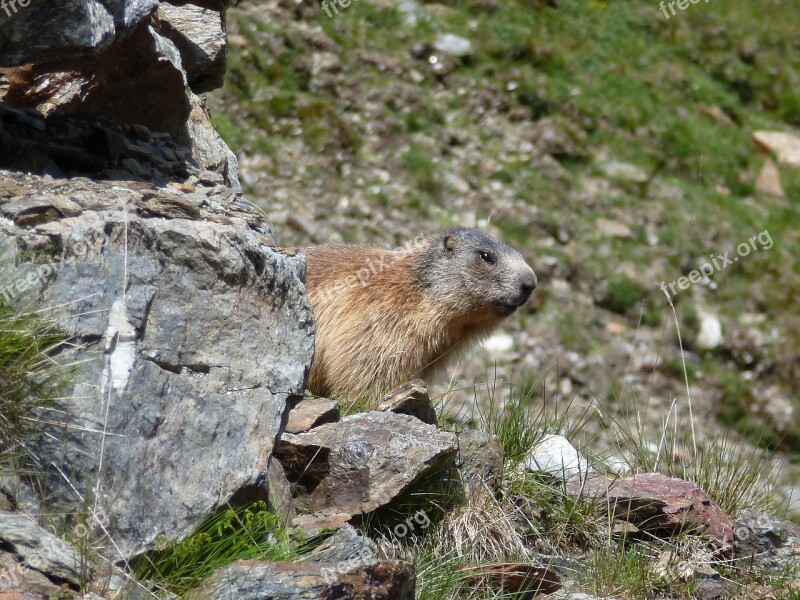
(525,284)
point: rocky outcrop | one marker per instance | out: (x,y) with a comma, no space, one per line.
(193,335)
(135,62)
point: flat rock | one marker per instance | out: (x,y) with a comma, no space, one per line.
(362,462)
(354,580)
(411,398)
(310,413)
(654,502)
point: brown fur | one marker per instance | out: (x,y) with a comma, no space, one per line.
(378,331)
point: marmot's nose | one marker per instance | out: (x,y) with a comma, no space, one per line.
(527,285)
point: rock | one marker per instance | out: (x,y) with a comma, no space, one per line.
(657,503)
(39,548)
(558,137)
(710,334)
(280,493)
(17,576)
(480,460)
(116,82)
(354,580)
(613,228)
(66,28)
(769,180)
(345,544)
(625,172)
(361,463)
(784,146)
(411,398)
(555,456)
(453,44)
(711,586)
(199,34)
(180,397)
(765,542)
(310,413)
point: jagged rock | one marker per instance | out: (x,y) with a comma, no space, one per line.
(199,35)
(654,502)
(361,463)
(43,31)
(354,580)
(555,456)
(193,335)
(62,146)
(480,459)
(117,83)
(766,542)
(310,413)
(39,548)
(411,398)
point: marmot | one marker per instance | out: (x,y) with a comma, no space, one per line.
(386,316)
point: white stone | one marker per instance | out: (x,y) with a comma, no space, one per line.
(710,335)
(556,456)
(453,44)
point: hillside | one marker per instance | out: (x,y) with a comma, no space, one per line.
(610,144)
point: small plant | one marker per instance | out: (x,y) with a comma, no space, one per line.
(251,532)
(29,377)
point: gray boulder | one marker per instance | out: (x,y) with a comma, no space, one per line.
(192,335)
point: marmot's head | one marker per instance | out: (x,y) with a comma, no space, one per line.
(473,276)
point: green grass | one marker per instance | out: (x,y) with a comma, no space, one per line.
(30,378)
(250,532)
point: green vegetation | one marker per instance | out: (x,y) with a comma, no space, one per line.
(250,532)
(29,377)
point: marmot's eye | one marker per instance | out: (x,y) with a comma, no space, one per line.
(487,257)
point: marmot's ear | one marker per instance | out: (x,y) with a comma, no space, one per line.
(449,244)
